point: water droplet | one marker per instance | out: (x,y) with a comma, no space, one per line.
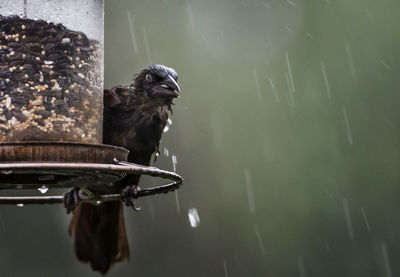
(169,121)
(43,189)
(194,218)
(6,172)
(166,128)
(20,205)
(98,202)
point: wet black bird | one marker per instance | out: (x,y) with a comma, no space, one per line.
(134,118)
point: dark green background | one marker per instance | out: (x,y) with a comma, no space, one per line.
(291,183)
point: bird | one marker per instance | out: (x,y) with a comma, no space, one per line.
(134,118)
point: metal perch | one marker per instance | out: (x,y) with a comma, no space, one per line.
(121,167)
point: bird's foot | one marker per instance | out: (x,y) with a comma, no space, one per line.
(71,200)
(129,194)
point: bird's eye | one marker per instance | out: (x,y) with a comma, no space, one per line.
(148,77)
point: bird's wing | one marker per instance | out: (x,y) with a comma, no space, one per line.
(122,98)
(116,96)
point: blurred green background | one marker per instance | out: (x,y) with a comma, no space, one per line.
(287,135)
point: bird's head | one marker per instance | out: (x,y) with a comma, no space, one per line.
(157,81)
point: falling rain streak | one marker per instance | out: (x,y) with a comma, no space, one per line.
(290,72)
(300,265)
(190,16)
(365,219)
(386,260)
(131,30)
(178,206)
(146,42)
(291,96)
(225,268)
(289,30)
(291,3)
(174,162)
(249,190)
(274,90)
(348,219)
(385,65)
(266,5)
(221,33)
(310,35)
(350,59)
(328,90)
(348,130)
(166,152)
(327,247)
(259,239)
(257,84)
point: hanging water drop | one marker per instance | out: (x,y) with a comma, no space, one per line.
(43,189)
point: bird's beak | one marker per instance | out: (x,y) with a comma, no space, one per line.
(169,88)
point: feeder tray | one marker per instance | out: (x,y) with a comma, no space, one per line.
(30,165)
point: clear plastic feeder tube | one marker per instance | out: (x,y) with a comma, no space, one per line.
(51,70)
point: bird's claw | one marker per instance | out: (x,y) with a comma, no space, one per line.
(129,194)
(71,200)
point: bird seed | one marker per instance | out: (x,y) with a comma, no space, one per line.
(50,82)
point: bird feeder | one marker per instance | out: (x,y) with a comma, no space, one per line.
(51,100)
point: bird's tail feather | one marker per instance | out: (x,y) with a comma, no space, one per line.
(100,236)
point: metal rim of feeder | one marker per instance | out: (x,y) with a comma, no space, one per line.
(121,167)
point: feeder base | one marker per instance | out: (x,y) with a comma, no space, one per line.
(22,164)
